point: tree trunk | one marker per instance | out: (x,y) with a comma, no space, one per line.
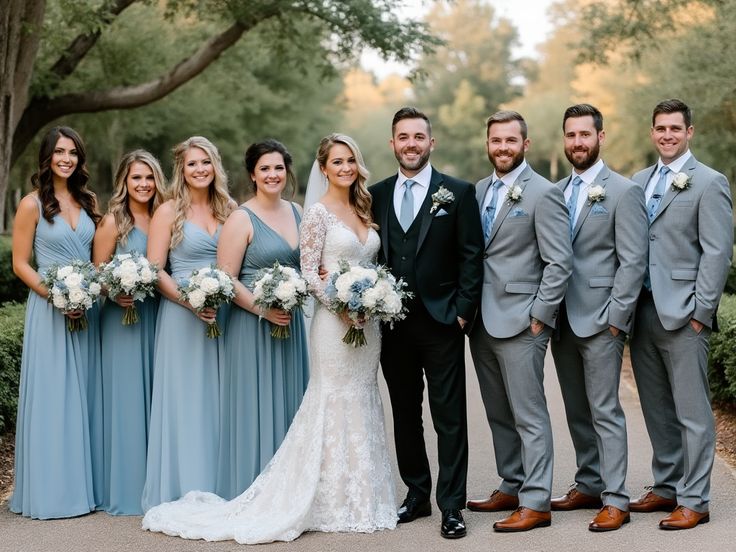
(20,35)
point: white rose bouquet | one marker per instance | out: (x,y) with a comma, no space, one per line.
(73,287)
(279,287)
(366,292)
(129,274)
(208,287)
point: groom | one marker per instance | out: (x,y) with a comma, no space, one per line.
(431,237)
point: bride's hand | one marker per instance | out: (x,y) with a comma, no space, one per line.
(277,316)
(359,323)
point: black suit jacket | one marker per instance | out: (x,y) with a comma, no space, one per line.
(449,266)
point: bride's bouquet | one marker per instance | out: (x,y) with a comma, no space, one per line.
(207,287)
(279,287)
(73,287)
(366,292)
(129,274)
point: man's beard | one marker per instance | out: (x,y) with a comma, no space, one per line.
(588,161)
(516,160)
(416,165)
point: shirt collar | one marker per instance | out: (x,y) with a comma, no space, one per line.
(676,165)
(422,178)
(509,178)
(589,175)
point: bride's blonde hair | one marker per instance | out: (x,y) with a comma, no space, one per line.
(360,198)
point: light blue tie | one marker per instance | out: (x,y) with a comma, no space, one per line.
(406,215)
(652,207)
(490,211)
(572,203)
(656,199)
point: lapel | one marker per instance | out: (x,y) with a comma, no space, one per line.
(481,191)
(521,181)
(388,203)
(426,217)
(671,192)
(601,180)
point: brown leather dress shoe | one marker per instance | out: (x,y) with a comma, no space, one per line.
(652,502)
(684,518)
(497,502)
(575,500)
(523,519)
(609,518)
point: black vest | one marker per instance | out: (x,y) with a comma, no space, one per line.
(402,248)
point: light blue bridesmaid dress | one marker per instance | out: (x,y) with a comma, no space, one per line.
(127,375)
(58,440)
(263,378)
(185,430)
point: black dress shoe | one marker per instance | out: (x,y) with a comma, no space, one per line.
(453,524)
(413,508)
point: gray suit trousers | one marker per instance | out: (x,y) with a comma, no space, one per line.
(589,371)
(670,367)
(511,377)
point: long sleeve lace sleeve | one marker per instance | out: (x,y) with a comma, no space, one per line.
(311,241)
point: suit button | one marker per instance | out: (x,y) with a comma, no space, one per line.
(485,255)
(403,258)
(652,237)
(404,240)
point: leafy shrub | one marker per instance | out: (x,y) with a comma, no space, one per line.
(12,316)
(722,360)
(11,288)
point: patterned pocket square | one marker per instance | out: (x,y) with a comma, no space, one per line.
(518,212)
(441,213)
(598,210)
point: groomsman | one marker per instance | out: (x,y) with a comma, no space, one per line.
(431,237)
(527,262)
(608,227)
(690,248)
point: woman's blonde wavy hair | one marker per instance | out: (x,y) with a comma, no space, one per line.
(218,196)
(360,198)
(118,205)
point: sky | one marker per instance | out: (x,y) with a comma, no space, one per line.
(528,16)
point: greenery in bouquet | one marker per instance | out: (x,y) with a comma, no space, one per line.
(129,274)
(366,292)
(73,287)
(279,287)
(207,287)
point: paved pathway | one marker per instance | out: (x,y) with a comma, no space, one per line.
(100,532)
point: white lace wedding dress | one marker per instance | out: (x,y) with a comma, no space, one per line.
(332,471)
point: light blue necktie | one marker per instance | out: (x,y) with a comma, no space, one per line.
(652,207)
(572,203)
(490,211)
(406,215)
(656,199)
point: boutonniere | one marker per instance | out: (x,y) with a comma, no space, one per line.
(681,182)
(441,197)
(514,194)
(596,194)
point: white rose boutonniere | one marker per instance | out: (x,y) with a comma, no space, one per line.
(681,182)
(441,197)
(514,194)
(596,194)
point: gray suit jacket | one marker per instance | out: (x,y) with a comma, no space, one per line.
(528,259)
(609,249)
(690,246)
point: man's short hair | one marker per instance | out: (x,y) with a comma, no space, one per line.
(583,110)
(409,113)
(507,117)
(673,106)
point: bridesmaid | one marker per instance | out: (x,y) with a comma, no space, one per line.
(58,441)
(184,432)
(127,351)
(262,378)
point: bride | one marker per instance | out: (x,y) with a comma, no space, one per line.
(332,472)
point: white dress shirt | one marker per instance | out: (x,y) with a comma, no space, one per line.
(419,189)
(675,167)
(588,177)
(509,179)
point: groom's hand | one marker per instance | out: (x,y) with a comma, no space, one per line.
(462,322)
(322,273)
(536,326)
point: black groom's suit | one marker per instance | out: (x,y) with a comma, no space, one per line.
(441,259)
